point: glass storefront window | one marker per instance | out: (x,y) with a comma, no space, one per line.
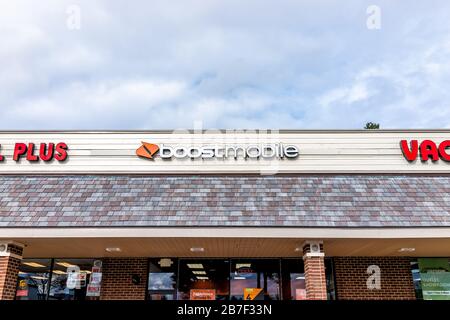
(431,278)
(293,275)
(204,279)
(162,279)
(329,275)
(256,278)
(33,279)
(71,279)
(416,279)
(183,279)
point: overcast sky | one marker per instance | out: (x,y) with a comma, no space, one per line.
(229,64)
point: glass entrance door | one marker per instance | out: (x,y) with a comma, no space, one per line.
(255,279)
(162,279)
(204,279)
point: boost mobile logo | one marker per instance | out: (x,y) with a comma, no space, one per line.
(277,150)
(147,150)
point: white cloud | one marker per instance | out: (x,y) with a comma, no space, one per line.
(106,104)
(160,64)
(355,93)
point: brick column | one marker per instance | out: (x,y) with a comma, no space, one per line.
(10,258)
(124,279)
(313,257)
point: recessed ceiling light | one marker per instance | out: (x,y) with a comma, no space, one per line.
(407,250)
(58,272)
(113,249)
(34,264)
(197,249)
(165,263)
(198,272)
(202,278)
(65,264)
(195,265)
(299,249)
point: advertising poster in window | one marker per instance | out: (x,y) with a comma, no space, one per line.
(435,278)
(253,294)
(96,277)
(202,294)
(94,286)
(22,288)
(93,290)
(300,294)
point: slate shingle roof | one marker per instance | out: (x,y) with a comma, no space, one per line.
(316,201)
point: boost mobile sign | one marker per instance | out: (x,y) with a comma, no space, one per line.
(267,151)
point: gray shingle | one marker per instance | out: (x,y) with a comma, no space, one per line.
(308,201)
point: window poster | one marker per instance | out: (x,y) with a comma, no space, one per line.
(300,294)
(435,278)
(22,288)
(95,280)
(253,294)
(202,294)
(93,290)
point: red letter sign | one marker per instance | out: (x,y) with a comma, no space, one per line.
(61,149)
(30,153)
(19,150)
(443,150)
(46,154)
(429,149)
(410,155)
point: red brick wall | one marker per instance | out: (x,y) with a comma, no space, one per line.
(316,285)
(351,278)
(117,279)
(9,270)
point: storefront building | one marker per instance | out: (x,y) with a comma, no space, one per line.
(225,215)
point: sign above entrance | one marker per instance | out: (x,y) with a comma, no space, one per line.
(427,150)
(147,150)
(45,152)
(191,152)
(277,150)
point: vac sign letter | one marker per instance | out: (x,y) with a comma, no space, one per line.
(427,149)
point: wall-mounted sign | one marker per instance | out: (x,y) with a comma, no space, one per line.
(225,152)
(45,152)
(427,150)
(202,294)
(277,150)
